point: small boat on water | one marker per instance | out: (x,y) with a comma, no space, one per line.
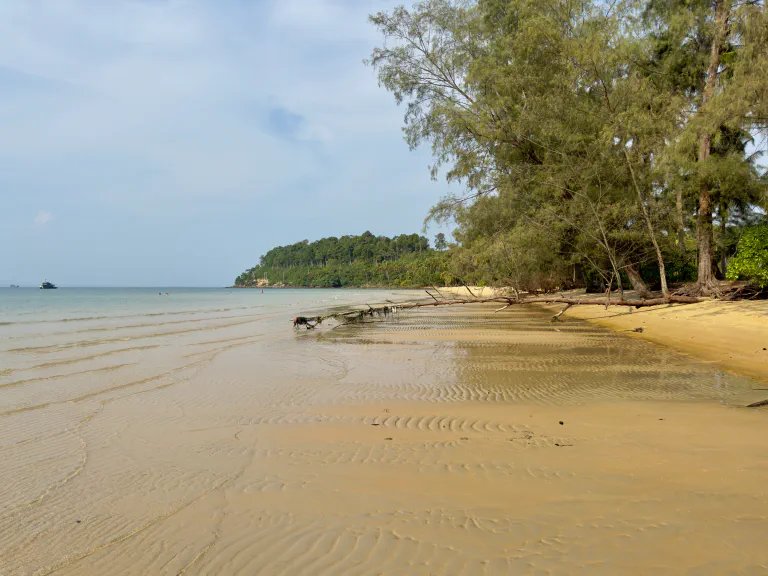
(14,286)
(47,286)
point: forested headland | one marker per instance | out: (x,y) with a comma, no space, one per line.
(366,260)
(599,144)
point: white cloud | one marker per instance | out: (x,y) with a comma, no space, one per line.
(158,113)
(43,217)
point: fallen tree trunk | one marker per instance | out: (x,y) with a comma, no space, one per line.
(758,404)
(556,317)
(638,284)
(350,316)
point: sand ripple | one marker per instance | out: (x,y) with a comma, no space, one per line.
(453,442)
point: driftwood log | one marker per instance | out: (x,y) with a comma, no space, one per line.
(758,404)
(351,316)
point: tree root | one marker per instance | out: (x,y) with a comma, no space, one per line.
(697,290)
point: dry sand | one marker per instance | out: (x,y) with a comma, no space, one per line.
(452,442)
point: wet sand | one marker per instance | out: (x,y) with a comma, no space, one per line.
(732,335)
(229,444)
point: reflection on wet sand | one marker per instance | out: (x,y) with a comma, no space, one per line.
(450,442)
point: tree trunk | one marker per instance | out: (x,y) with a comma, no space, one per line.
(651,231)
(704,237)
(680,223)
(706,280)
(723,239)
(638,285)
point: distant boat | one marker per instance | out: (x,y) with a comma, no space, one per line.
(47,286)
(14,286)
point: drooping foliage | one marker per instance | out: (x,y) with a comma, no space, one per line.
(596,140)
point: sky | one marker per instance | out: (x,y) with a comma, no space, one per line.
(172,142)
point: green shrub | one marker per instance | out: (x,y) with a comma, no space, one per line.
(751,259)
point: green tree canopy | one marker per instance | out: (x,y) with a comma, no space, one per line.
(577,128)
(366,260)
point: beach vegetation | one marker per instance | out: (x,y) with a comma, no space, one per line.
(598,143)
(751,259)
(404,261)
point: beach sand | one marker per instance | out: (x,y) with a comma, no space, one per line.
(448,442)
(732,335)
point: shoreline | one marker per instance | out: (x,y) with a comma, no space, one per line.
(326,287)
(730,334)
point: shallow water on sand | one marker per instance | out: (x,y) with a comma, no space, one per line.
(199,434)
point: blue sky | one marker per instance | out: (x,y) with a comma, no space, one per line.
(171,142)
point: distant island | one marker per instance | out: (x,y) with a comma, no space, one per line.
(405,261)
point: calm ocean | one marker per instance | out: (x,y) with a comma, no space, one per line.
(32,305)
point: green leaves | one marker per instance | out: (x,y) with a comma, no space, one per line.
(364,260)
(751,259)
(576,126)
